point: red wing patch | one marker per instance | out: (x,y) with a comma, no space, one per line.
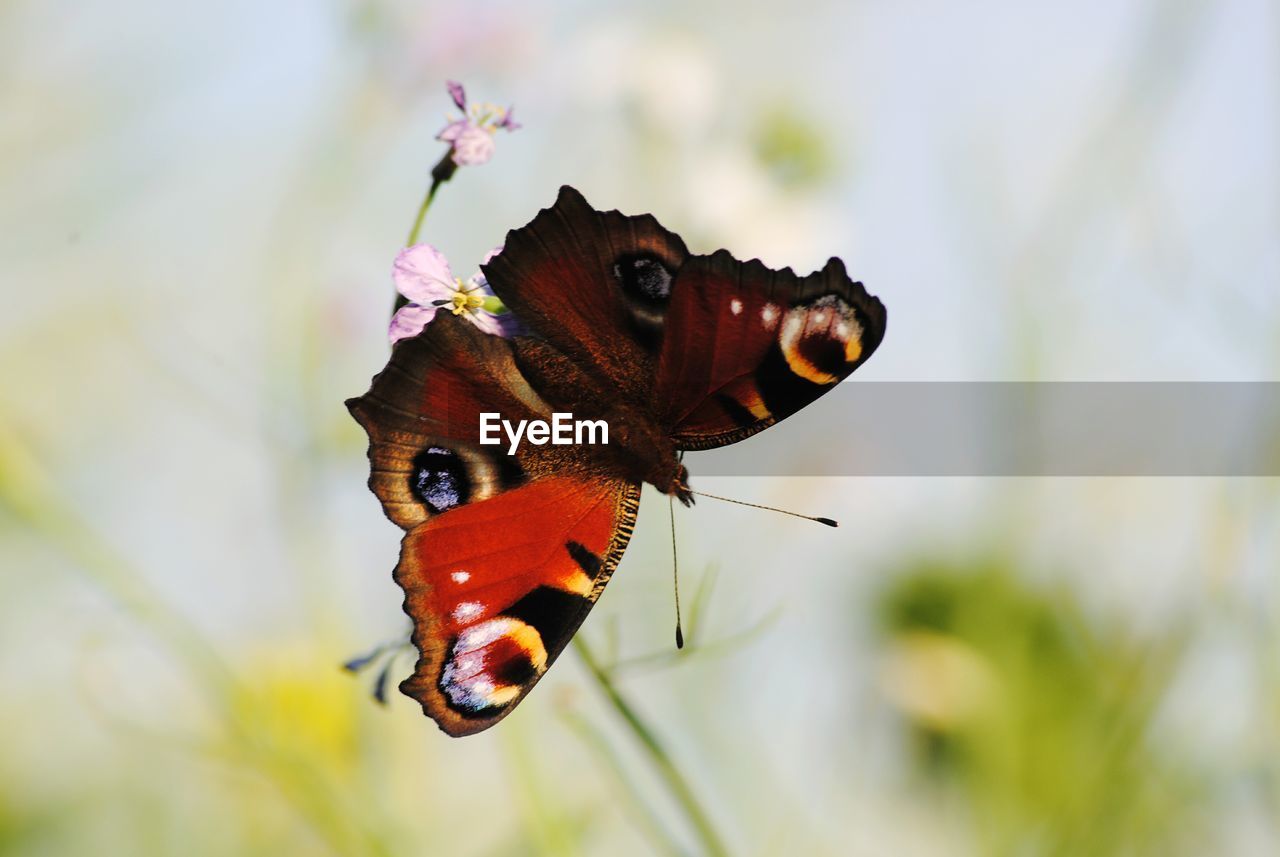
(496,589)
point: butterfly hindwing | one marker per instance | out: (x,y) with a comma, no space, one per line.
(497,589)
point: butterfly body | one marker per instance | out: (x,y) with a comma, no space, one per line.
(639,449)
(504,554)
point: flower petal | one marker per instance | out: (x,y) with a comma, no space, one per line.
(421,273)
(409,321)
(504,324)
(478,279)
(452,131)
(473,146)
(457,93)
(508,325)
(486,321)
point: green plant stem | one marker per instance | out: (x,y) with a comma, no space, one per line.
(662,762)
(440,173)
(422,213)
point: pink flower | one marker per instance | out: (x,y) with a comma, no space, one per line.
(471,138)
(422,274)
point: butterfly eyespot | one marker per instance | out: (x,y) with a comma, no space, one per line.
(515,672)
(644,277)
(820,338)
(489,664)
(439,479)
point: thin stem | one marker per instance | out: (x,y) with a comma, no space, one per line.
(401,300)
(666,768)
(440,173)
(422,213)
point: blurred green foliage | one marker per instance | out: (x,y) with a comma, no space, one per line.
(792,147)
(1040,715)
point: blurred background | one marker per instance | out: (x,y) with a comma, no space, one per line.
(201,204)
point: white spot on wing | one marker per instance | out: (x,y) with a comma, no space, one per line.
(483,634)
(460,576)
(467,665)
(735,306)
(467,679)
(467,610)
(769,314)
(792,329)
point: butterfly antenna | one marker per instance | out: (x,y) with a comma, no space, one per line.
(675,571)
(828,521)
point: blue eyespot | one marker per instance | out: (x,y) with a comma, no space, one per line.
(643,276)
(439,479)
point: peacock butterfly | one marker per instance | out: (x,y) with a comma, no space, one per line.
(504,554)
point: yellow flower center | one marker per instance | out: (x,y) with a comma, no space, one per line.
(463,301)
(487,116)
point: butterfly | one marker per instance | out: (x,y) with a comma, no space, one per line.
(504,554)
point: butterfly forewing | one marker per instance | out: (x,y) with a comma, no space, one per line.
(746,346)
(593,284)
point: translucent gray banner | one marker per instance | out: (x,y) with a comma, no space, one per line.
(1017,429)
